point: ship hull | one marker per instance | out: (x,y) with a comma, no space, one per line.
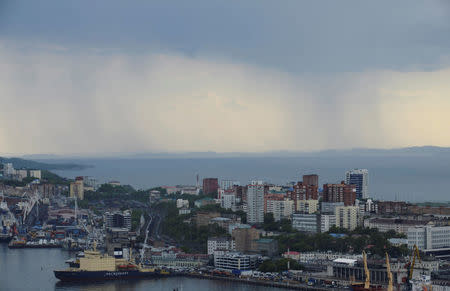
(5,239)
(371,288)
(79,276)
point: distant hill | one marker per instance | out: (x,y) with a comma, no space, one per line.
(406,151)
(19,163)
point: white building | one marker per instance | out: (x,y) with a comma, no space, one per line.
(181,203)
(220,243)
(184,210)
(330,207)
(360,178)
(228,200)
(327,221)
(429,238)
(8,169)
(280,208)
(228,184)
(396,224)
(307,257)
(305,222)
(255,202)
(234,261)
(347,217)
(35,174)
(307,206)
(22,174)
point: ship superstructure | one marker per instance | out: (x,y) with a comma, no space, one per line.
(97,266)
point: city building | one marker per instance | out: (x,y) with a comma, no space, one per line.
(230,261)
(210,185)
(330,207)
(326,222)
(227,199)
(302,191)
(90,183)
(360,178)
(114,183)
(21,174)
(430,238)
(255,203)
(204,201)
(228,184)
(339,193)
(233,226)
(280,208)
(203,218)
(267,247)
(182,203)
(391,207)
(118,241)
(184,211)
(118,219)
(311,180)
(220,243)
(35,174)
(291,255)
(180,260)
(245,239)
(347,217)
(77,188)
(395,224)
(8,169)
(307,206)
(305,222)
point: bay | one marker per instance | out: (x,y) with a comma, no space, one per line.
(32,269)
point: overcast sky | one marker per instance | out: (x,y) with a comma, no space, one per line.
(227,76)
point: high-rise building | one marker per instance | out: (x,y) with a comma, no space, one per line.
(306,222)
(77,188)
(210,185)
(118,220)
(280,208)
(347,217)
(360,178)
(255,203)
(228,200)
(8,169)
(228,184)
(339,193)
(245,239)
(311,180)
(326,222)
(308,206)
(35,174)
(302,191)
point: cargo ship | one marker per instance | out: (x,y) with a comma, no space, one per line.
(97,267)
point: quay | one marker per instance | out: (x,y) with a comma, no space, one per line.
(253,281)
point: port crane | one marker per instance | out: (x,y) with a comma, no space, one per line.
(366,271)
(389,273)
(416,254)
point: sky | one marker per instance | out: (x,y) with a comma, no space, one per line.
(107,76)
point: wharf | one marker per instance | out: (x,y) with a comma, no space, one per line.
(250,281)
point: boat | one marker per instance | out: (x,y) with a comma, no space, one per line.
(5,238)
(95,266)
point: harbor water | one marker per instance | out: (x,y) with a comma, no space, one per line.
(32,269)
